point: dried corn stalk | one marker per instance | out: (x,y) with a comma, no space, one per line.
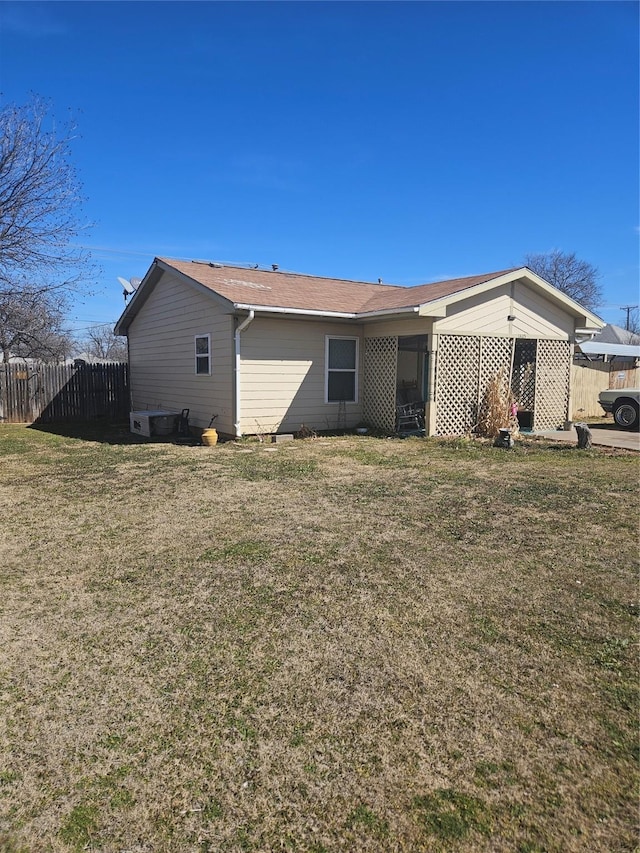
(498,409)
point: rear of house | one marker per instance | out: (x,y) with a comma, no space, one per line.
(267,351)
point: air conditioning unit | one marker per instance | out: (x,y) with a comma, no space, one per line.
(152,422)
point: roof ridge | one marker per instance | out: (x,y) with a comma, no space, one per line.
(292,273)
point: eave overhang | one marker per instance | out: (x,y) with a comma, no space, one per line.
(329,315)
(435,309)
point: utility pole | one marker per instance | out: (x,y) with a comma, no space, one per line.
(628,309)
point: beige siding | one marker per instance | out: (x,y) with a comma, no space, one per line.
(283,376)
(161,351)
(539,317)
(410,324)
(487,313)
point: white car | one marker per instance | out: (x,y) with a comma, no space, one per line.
(625,405)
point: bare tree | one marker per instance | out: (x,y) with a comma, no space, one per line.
(40,202)
(577,279)
(31,326)
(102,344)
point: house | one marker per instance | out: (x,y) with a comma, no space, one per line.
(610,360)
(268,351)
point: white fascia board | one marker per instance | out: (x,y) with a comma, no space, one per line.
(301,312)
(331,315)
(387,312)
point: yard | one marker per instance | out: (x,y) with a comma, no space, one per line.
(336,644)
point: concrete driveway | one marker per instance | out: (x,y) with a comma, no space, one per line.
(607,435)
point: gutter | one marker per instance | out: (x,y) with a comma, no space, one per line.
(236,370)
(302,311)
(340,315)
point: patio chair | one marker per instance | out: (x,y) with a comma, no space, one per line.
(410,417)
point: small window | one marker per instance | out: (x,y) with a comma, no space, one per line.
(203,355)
(341,370)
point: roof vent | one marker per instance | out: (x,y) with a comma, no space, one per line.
(274,267)
(216,265)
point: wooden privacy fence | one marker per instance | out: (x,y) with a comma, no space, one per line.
(49,393)
(591,377)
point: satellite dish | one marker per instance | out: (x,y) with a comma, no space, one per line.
(128,286)
(135,282)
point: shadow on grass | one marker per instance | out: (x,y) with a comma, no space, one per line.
(98,430)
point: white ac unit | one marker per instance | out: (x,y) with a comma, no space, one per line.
(152,422)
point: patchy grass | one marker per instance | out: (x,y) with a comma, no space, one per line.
(336,644)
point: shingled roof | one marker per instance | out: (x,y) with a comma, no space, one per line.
(275,289)
(244,288)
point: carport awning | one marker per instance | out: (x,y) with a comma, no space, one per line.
(622,350)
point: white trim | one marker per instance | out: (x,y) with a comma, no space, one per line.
(413,309)
(339,315)
(237,371)
(356,389)
(623,350)
(266,309)
(197,355)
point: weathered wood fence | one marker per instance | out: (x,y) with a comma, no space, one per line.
(588,378)
(49,393)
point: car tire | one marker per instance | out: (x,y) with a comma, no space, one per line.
(625,415)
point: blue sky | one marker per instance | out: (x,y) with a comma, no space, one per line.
(405,141)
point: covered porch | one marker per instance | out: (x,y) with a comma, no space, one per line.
(436,384)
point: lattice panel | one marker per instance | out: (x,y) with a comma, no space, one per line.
(457,375)
(495,360)
(553,366)
(495,357)
(523,377)
(379,382)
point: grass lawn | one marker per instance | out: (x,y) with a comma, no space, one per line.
(336,644)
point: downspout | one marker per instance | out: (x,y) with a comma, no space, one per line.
(236,370)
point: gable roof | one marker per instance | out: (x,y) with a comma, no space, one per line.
(245,289)
(263,288)
(616,335)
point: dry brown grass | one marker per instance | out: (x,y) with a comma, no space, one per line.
(348,644)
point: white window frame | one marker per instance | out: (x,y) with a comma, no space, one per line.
(327,339)
(198,355)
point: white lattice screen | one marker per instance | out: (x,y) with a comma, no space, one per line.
(496,357)
(379,382)
(457,378)
(553,365)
